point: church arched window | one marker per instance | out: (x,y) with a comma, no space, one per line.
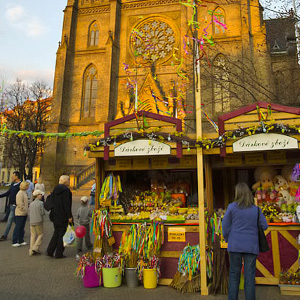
(221,85)
(280,85)
(90,83)
(218,18)
(94,34)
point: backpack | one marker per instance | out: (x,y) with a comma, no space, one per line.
(49,203)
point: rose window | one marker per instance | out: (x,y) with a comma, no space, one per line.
(153,40)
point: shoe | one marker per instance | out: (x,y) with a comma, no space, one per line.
(23,244)
(59,257)
(50,255)
(16,245)
(35,252)
(3,238)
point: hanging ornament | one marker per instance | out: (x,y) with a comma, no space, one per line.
(169,138)
(131,137)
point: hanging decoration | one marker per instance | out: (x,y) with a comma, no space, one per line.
(110,190)
(101,228)
(63,135)
(155,134)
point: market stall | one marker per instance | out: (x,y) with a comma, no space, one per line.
(157,173)
(262,153)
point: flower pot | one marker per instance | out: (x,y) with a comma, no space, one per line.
(112,277)
(150,278)
(91,278)
(131,277)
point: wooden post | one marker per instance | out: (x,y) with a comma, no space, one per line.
(202,232)
(99,169)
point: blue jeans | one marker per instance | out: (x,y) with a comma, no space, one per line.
(235,274)
(10,220)
(18,235)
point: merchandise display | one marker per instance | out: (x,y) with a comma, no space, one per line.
(168,200)
(276,194)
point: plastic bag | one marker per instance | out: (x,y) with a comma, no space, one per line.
(69,237)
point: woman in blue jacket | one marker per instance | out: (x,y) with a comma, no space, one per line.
(241,232)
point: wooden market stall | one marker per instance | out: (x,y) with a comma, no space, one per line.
(165,152)
(264,135)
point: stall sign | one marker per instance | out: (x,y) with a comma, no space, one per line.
(265,141)
(176,234)
(254,158)
(142,148)
(233,160)
(278,157)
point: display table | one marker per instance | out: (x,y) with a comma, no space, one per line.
(170,250)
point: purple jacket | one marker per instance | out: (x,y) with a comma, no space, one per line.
(240,228)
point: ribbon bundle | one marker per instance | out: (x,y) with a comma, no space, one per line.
(86,260)
(110,190)
(189,261)
(101,228)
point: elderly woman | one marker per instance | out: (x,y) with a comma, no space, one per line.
(240,230)
(62,215)
(21,213)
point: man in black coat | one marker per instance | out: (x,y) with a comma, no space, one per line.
(11,193)
(61,216)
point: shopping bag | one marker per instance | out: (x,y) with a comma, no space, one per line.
(69,237)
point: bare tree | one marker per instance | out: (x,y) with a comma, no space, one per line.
(27,111)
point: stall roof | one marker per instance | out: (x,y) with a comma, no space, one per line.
(254,114)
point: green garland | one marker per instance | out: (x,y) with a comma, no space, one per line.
(178,137)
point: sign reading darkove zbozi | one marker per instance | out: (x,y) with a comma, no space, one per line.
(142,148)
(265,141)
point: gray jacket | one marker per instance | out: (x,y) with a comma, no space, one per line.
(36,212)
(83,214)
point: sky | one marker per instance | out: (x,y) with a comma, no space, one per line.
(29,35)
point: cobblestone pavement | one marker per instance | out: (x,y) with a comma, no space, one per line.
(40,277)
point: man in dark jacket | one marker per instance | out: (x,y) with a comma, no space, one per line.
(11,193)
(61,216)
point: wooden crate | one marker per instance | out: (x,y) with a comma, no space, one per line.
(292,290)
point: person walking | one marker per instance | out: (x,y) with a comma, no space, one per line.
(11,193)
(240,230)
(39,185)
(93,193)
(36,214)
(84,213)
(61,216)
(21,213)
